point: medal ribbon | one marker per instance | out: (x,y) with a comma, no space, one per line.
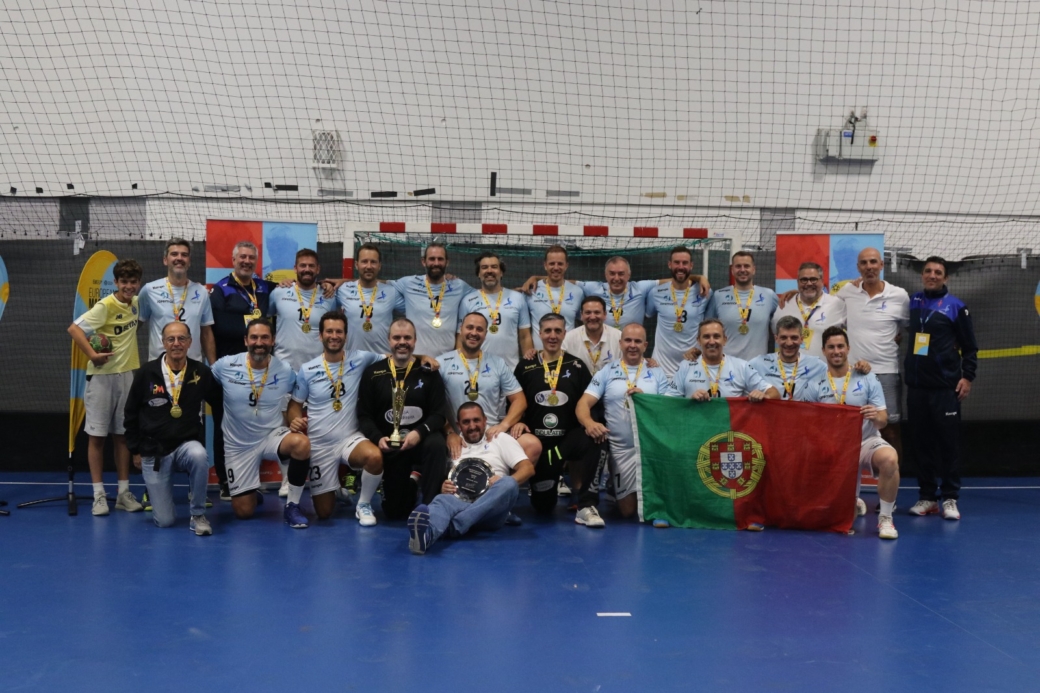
(184,299)
(848,377)
(252,385)
(176,380)
(436,305)
(475,374)
(399,384)
(617,309)
(250,295)
(555,307)
(788,386)
(745,312)
(594,357)
(639,371)
(805,316)
(306,312)
(367,308)
(338,379)
(680,306)
(553,377)
(713,385)
(493,313)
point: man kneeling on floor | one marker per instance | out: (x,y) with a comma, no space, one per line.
(448,513)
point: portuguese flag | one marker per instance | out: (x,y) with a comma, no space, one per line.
(725,464)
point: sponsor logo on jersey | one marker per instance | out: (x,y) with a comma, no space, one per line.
(542,398)
(158,390)
(550,421)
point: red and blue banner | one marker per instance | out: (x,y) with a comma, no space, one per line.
(836,253)
(5,287)
(277,243)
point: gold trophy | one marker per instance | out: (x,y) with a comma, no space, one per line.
(397,409)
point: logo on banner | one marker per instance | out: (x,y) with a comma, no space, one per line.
(731,464)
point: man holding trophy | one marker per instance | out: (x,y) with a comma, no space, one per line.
(401,409)
(481,489)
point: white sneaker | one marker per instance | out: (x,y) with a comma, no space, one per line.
(950,511)
(200,525)
(861,507)
(886,529)
(100,505)
(563,489)
(283,490)
(923,507)
(364,514)
(126,501)
(589,517)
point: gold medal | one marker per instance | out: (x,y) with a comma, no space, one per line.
(436,322)
(306,327)
(743,329)
(493,329)
(337,405)
(256,314)
(806,333)
(554,399)
(678,327)
(176,381)
(367,326)
(176,411)
(473,394)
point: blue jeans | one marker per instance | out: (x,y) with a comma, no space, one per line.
(190,457)
(454,517)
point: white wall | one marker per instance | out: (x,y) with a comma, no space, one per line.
(697,99)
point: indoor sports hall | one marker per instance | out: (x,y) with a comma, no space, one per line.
(800,132)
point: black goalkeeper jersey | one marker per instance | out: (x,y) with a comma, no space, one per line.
(545,416)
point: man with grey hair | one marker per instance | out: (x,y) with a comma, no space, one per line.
(814,307)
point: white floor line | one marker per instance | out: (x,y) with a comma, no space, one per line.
(613,613)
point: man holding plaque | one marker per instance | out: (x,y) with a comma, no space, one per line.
(745,310)
(553,382)
(481,490)
(401,409)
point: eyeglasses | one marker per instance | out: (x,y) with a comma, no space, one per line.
(808,280)
(177,339)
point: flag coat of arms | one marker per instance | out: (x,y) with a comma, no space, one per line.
(728,463)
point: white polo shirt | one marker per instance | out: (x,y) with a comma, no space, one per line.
(607,349)
(873,324)
(828,312)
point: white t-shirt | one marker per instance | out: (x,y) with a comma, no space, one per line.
(502,452)
(873,324)
(607,349)
(827,312)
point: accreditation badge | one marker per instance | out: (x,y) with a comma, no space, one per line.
(921,342)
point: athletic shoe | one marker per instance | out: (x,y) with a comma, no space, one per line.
(148,505)
(126,501)
(364,514)
(861,507)
(100,505)
(661,523)
(283,490)
(756,527)
(294,517)
(420,534)
(225,493)
(950,511)
(563,490)
(589,517)
(513,520)
(886,529)
(924,507)
(200,525)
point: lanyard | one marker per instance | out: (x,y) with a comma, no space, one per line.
(713,385)
(184,299)
(848,376)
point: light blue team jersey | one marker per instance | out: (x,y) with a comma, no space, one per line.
(632,303)
(807,370)
(495,382)
(723,306)
(863,389)
(247,421)
(538,304)
(418,308)
(512,316)
(610,385)
(737,378)
(388,300)
(291,344)
(326,426)
(669,345)
(156,306)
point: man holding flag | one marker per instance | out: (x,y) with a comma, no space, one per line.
(715,374)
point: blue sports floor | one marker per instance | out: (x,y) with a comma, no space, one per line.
(115,604)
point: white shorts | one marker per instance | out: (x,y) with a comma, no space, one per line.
(243,464)
(866,452)
(892,386)
(624,469)
(105,399)
(323,475)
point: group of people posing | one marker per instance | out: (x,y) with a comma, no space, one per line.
(401,380)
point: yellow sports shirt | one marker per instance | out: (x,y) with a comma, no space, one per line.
(117,321)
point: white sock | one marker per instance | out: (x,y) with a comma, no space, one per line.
(295,494)
(369,484)
(887,508)
(99,489)
(124,485)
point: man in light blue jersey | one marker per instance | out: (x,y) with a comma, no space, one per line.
(297,310)
(471,374)
(718,374)
(368,304)
(554,294)
(746,310)
(432,302)
(257,388)
(175,298)
(679,306)
(841,384)
(615,384)
(509,322)
(789,369)
(329,386)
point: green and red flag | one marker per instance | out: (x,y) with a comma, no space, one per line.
(729,463)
